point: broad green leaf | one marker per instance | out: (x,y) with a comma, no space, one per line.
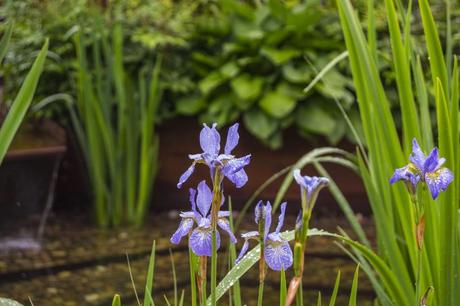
(314,119)
(247,87)
(21,103)
(259,124)
(190,105)
(279,56)
(277,104)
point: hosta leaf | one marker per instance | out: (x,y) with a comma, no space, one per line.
(279,56)
(259,124)
(314,119)
(277,104)
(247,87)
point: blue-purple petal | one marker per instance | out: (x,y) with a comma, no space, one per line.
(278,253)
(243,251)
(184,228)
(225,225)
(235,164)
(438,181)
(281,218)
(210,140)
(268,219)
(258,211)
(417,157)
(201,241)
(204,198)
(232,139)
(239,178)
(431,161)
(405,174)
(184,177)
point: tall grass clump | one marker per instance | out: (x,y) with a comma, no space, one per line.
(115,124)
(417,228)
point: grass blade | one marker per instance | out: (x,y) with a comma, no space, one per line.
(336,290)
(354,288)
(5,41)
(21,102)
(116,300)
(149,281)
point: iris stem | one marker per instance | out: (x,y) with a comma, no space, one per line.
(419,234)
(202,279)
(262,269)
(260,297)
(215,207)
(192,264)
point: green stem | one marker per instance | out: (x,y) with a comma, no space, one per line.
(203,263)
(215,206)
(213,268)
(417,280)
(260,297)
(192,276)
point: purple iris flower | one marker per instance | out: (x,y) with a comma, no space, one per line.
(232,167)
(311,184)
(200,240)
(427,169)
(277,252)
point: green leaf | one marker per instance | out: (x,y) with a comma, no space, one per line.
(314,119)
(279,56)
(149,280)
(115,302)
(21,103)
(354,288)
(259,124)
(277,104)
(335,291)
(247,88)
(5,41)
(190,105)
(211,81)
(326,69)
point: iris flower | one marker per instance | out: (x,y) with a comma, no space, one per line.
(277,252)
(232,167)
(200,240)
(425,169)
(310,184)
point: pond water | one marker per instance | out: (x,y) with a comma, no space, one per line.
(79,264)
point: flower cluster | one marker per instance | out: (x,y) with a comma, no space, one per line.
(277,252)
(232,167)
(201,237)
(424,169)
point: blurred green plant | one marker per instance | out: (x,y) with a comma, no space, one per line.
(22,101)
(253,61)
(115,124)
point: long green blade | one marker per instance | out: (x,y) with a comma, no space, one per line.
(21,102)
